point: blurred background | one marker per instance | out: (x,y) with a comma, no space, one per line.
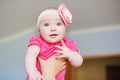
(95,27)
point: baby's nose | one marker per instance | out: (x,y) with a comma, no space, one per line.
(53,28)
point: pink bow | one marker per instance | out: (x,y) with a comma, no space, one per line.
(65,14)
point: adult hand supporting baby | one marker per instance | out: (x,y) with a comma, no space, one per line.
(52,66)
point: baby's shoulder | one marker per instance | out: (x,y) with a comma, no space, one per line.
(71,42)
(35,38)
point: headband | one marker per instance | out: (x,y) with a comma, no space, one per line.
(63,11)
(44,13)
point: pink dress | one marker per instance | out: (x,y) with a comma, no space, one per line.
(47,50)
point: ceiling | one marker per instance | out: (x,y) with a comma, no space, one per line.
(19,15)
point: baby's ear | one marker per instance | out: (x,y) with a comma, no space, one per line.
(38,30)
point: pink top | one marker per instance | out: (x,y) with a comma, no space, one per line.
(47,50)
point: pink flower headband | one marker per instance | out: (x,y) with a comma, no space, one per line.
(65,14)
(63,11)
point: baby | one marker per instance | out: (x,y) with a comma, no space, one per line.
(51,24)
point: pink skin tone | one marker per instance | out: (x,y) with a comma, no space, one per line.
(52,30)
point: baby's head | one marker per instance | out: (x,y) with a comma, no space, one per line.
(52,23)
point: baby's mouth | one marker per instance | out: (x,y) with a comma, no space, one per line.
(53,35)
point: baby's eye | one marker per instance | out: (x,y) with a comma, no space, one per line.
(46,24)
(59,23)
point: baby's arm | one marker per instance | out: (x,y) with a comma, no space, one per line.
(74,58)
(30,63)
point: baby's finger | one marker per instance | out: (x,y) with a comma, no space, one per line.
(58,51)
(60,47)
(57,54)
(63,44)
(61,56)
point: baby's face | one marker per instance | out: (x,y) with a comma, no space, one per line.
(52,28)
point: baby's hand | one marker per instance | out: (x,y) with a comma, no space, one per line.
(64,51)
(35,75)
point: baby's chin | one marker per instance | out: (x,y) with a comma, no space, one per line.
(52,42)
